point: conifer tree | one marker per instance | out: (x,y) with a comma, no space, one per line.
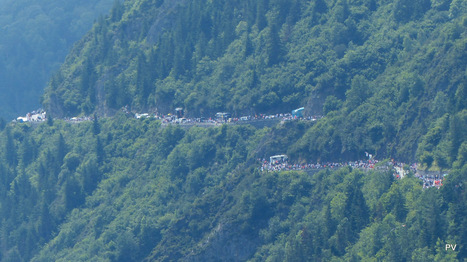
(261,8)
(10,149)
(96,129)
(61,151)
(99,150)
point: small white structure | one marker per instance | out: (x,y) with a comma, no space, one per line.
(144,115)
(278,159)
(22,119)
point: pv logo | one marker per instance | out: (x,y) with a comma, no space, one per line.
(450,246)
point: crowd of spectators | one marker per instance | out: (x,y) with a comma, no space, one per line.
(40,115)
(431,180)
(173,119)
(267,166)
(400,169)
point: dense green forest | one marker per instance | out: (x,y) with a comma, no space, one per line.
(125,189)
(339,58)
(35,38)
(389,78)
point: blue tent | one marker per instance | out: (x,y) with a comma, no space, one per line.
(298,112)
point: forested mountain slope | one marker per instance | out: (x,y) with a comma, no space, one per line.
(273,56)
(389,77)
(125,189)
(35,38)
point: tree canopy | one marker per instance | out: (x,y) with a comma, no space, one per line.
(388,77)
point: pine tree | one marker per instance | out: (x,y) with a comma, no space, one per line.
(319,7)
(261,8)
(248,46)
(99,151)
(61,151)
(10,150)
(274,46)
(143,80)
(96,129)
(117,11)
(45,222)
(26,151)
(74,196)
(50,120)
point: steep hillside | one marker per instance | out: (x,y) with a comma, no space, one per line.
(35,38)
(124,189)
(251,57)
(388,77)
